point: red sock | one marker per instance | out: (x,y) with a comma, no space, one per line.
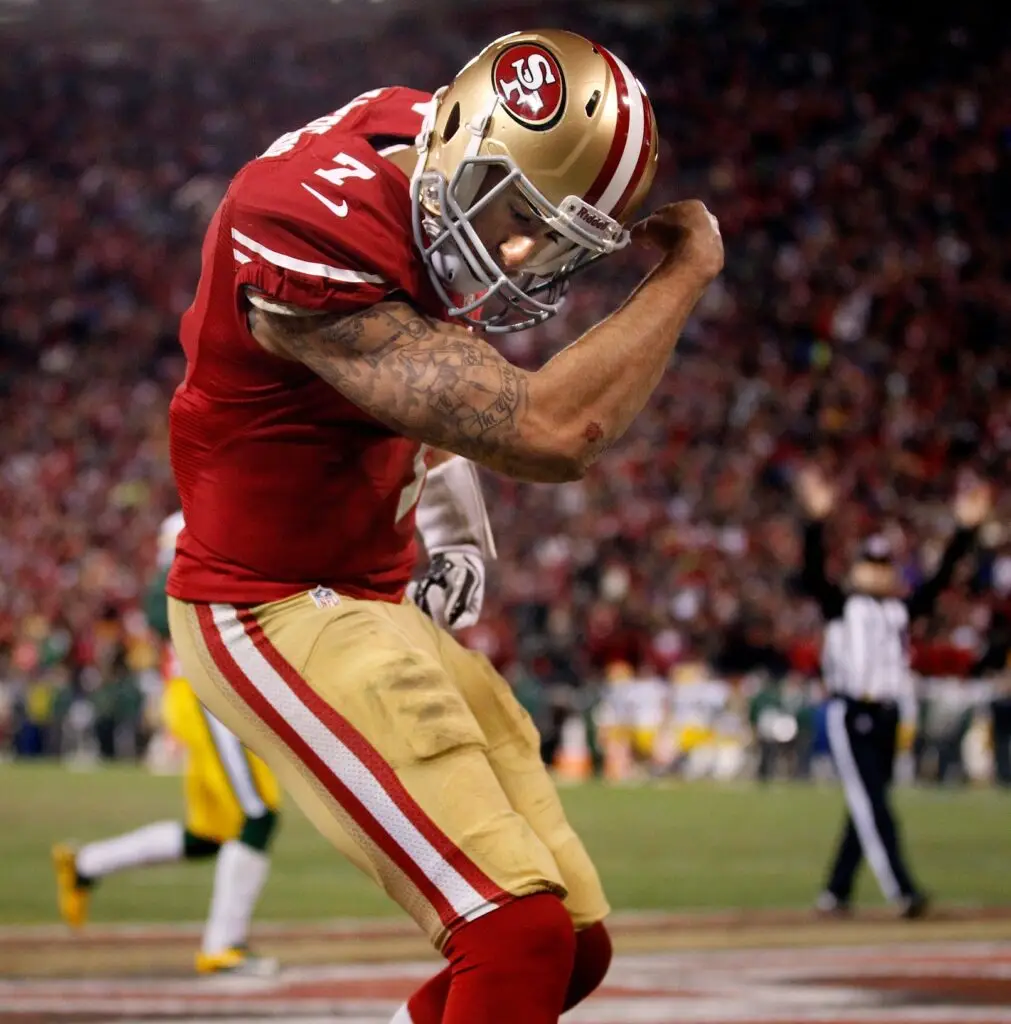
(427,1004)
(593,958)
(512,965)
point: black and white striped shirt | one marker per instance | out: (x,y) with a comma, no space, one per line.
(865,653)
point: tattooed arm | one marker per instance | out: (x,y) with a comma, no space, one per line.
(440,384)
(428,380)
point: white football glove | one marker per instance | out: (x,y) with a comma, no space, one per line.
(452,590)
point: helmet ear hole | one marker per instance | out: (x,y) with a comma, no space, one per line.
(591,103)
(452,123)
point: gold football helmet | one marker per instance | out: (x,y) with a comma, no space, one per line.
(564,122)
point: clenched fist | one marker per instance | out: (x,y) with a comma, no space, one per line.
(688,235)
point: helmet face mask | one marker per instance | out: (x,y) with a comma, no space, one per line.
(462,263)
(519,135)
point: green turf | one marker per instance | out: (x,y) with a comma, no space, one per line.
(678,847)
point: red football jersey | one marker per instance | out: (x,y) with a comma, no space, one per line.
(285,484)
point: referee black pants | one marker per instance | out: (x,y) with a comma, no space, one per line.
(862,737)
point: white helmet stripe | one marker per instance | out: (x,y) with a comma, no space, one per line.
(633,141)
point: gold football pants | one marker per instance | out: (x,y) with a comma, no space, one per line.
(407,751)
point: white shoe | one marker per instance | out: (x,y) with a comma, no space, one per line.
(830,905)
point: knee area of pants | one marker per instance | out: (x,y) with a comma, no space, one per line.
(257,833)
(197,847)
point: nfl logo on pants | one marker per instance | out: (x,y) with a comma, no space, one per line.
(325,597)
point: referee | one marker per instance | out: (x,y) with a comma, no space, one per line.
(865,664)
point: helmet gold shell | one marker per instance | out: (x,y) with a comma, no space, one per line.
(571,128)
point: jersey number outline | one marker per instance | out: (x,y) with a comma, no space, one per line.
(348,167)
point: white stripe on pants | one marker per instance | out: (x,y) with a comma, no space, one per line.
(859,802)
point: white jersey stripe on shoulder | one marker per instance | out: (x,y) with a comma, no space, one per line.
(279,259)
(241,257)
(633,141)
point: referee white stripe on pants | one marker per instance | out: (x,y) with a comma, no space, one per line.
(858,800)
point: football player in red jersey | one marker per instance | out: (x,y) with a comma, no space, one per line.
(332,341)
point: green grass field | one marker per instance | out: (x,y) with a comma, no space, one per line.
(687,846)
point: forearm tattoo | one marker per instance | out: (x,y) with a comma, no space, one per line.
(447,388)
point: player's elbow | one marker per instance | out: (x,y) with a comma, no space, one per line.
(560,452)
(566,468)
(545,465)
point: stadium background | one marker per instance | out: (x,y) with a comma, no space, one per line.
(860,165)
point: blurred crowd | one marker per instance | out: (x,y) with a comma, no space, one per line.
(860,169)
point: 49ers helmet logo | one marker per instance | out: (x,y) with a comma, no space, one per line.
(530,84)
